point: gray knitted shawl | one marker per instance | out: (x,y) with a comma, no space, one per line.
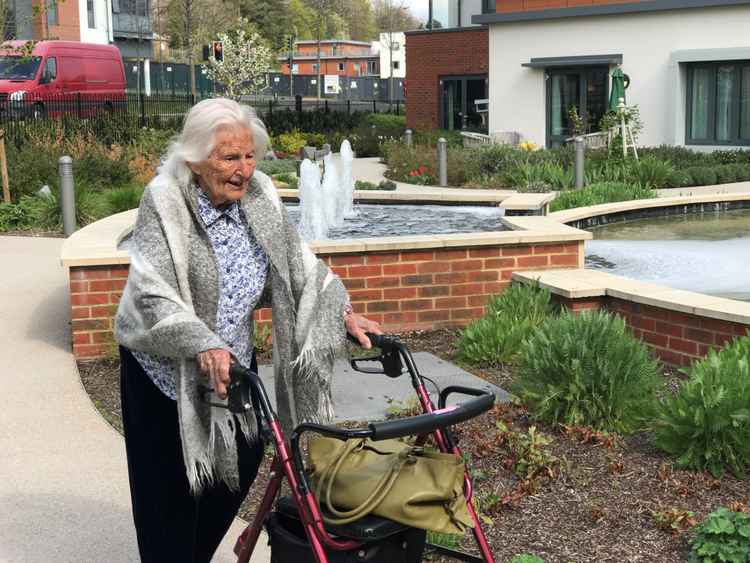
(169,305)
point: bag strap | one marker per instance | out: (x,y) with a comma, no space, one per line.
(376,496)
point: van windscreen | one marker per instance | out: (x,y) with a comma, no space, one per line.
(18,68)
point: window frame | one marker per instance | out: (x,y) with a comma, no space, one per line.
(91,14)
(735,117)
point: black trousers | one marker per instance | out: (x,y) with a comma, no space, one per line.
(172,525)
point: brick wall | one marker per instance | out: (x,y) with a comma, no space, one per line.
(676,338)
(94,294)
(436,54)
(504,6)
(402,290)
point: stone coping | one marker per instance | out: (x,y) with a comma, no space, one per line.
(582,283)
(579,213)
(96,244)
(524,202)
(445,196)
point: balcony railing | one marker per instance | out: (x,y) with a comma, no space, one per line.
(131,25)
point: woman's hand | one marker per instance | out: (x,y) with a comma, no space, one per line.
(215,364)
(357,326)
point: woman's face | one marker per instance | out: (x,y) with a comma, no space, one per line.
(225,174)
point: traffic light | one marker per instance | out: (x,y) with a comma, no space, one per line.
(218,51)
(290,43)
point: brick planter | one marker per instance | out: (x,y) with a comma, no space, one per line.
(676,338)
(402,290)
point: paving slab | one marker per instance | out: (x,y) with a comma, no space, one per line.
(64,492)
(360,397)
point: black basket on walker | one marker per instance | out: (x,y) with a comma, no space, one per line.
(297,530)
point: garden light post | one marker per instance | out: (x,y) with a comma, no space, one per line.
(579,163)
(442,158)
(67,195)
(408,137)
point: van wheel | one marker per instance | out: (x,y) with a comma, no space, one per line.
(39,111)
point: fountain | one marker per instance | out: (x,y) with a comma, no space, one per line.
(326,209)
(313,224)
(698,252)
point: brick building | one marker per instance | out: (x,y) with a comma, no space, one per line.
(447,68)
(337,57)
(688,63)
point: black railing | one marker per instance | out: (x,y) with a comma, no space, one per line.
(117,118)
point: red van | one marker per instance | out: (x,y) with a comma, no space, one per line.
(58,77)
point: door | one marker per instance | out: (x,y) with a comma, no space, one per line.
(457,107)
(586,90)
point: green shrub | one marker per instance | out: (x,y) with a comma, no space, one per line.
(123,199)
(31,167)
(386,120)
(364,185)
(702,176)
(742,171)
(598,172)
(45,211)
(595,194)
(430,138)
(678,179)
(12,217)
(278,166)
(551,173)
(401,160)
(510,319)
(535,187)
(290,179)
(651,171)
(101,173)
(707,423)
(723,536)
(726,174)
(587,369)
(492,159)
(315,139)
(387,185)
(289,143)
(679,157)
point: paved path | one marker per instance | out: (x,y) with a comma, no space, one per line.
(63,488)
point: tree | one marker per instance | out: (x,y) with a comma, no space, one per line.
(302,20)
(394,15)
(191,24)
(360,20)
(272,19)
(245,63)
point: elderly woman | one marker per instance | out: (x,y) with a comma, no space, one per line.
(211,243)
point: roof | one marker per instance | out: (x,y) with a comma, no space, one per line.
(603,10)
(581,60)
(331,42)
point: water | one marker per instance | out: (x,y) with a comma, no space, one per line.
(697,252)
(371,220)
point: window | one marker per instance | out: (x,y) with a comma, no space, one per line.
(91,14)
(396,65)
(315,67)
(341,67)
(51,10)
(373,67)
(50,70)
(718,103)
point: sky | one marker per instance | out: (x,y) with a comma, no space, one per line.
(418,8)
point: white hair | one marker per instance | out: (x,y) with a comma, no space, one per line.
(198,136)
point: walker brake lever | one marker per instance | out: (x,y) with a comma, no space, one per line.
(389,358)
(238,394)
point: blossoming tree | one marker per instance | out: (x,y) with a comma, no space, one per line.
(245,63)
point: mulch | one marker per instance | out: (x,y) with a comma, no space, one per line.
(591,497)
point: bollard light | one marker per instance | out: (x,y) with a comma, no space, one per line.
(579,163)
(67,195)
(442,158)
(408,137)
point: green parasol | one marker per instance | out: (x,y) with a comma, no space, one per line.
(618,89)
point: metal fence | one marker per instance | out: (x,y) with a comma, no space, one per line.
(174,79)
(117,118)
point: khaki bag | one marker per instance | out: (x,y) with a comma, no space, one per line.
(391,479)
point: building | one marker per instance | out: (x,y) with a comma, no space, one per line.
(392,48)
(337,57)
(73,20)
(688,62)
(447,68)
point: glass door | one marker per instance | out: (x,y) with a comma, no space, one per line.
(586,90)
(457,107)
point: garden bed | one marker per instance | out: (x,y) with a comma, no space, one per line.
(584,497)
